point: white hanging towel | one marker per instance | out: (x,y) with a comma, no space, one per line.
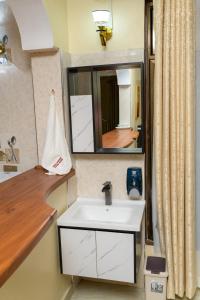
(56,158)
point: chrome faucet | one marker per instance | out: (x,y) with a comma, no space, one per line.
(107,189)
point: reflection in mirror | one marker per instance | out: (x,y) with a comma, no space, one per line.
(106,108)
(120,108)
(81,112)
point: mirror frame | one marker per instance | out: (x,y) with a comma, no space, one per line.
(96,107)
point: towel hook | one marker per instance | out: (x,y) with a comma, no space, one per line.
(53,92)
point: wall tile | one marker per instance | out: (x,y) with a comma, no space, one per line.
(93,170)
(16,101)
(46,69)
(107,57)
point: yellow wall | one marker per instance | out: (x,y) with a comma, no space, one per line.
(57,13)
(128,25)
(39,278)
(75,32)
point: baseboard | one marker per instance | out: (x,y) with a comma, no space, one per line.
(68,294)
(198,282)
(74,283)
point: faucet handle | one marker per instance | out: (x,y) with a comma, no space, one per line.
(107,183)
(107,186)
(107,189)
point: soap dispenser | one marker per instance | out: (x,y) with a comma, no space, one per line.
(134,183)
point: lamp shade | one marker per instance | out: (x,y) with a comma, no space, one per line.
(101,17)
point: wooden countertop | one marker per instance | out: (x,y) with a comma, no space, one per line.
(119,138)
(24,216)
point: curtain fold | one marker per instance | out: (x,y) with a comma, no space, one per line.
(174,141)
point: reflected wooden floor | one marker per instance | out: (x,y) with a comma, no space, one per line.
(119,138)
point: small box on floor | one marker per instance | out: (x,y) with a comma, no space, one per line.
(155,278)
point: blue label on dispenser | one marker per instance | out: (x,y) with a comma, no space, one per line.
(134,180)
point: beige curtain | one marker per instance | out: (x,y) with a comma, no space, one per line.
(174,141)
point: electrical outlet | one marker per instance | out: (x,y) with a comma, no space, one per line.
(157,287)
(9,168)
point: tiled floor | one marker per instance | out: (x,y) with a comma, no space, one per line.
(89,290)
(197,296)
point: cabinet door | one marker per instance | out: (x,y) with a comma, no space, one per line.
(115,256)
(78,249)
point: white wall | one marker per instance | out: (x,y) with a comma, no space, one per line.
(35,31)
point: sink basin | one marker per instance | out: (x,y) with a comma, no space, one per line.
(104,214)
(122,215)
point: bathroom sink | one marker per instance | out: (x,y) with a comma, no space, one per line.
(103,214)
(124,215)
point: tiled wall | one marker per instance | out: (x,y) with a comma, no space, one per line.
(93,170)
(17,116)
(46,69)
(107,57)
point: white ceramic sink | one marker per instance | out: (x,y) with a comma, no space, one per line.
(125,215)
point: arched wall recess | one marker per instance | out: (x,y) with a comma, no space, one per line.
(33,23)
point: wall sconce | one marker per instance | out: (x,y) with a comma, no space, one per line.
(5,54)
(103,20)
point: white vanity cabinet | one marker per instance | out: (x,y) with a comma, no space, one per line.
(102,241)
(98,254)
(78,252)
(115,256)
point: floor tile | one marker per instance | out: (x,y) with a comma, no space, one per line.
(89,290)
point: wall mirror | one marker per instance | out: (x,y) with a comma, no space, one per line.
(106,108)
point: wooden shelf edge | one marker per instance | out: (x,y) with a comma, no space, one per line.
(17,195)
